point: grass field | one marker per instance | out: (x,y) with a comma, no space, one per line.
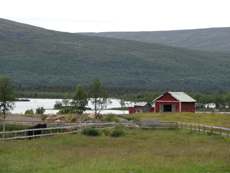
(213,119)
(137,151)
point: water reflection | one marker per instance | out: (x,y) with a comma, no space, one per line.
(48,104)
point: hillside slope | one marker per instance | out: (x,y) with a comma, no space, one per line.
(35,56)
(212,39)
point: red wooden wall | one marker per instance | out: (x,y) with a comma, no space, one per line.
(187,107)
(131,110)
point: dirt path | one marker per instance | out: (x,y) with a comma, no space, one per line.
(22,118)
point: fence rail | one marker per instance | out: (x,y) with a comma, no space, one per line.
(205,128)
(23,134)
(75,128)
(156,125)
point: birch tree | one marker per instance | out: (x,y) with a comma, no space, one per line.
(6,98)
(98,97)
(80,101)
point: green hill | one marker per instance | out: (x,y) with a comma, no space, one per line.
(212,39)
(40,57)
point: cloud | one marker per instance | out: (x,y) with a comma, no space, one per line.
(117,15)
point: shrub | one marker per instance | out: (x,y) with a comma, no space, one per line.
(110,118)
(117,133)
(57,105)
(90,132)
(67,110)
(29,111)
(43,117)
(40,110)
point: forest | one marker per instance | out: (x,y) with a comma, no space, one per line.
(36,57)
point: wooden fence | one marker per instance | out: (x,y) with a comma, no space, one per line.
(181,125)
(22,134)
(75,128)
(156,125)
(205,128)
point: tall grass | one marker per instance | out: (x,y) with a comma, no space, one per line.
(138,151)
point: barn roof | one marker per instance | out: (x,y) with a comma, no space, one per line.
(180,96)
(140,104)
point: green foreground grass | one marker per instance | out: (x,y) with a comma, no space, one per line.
(138,151)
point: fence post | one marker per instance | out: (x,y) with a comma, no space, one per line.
(190,126)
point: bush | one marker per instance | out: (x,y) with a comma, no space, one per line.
(67,110)
(29,111)
(90,132)
(40,110)
(117,133)
(110,118)
(43,117)
(57,105)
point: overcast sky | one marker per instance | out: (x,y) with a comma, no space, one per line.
(118,15)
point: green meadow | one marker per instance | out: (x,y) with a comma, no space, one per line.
(137,151)
(212,119)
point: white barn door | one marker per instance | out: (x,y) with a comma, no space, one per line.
(161,108)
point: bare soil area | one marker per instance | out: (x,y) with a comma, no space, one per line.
(16,117)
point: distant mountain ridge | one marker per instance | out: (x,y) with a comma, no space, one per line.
(39,57)
(210,39)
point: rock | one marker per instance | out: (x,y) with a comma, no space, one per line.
(131,125)
(75,118)
(57,121)
(92,115)
(56,118)
(92,120)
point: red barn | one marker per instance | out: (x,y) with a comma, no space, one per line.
(174,102)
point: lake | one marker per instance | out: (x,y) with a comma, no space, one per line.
(48,104)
